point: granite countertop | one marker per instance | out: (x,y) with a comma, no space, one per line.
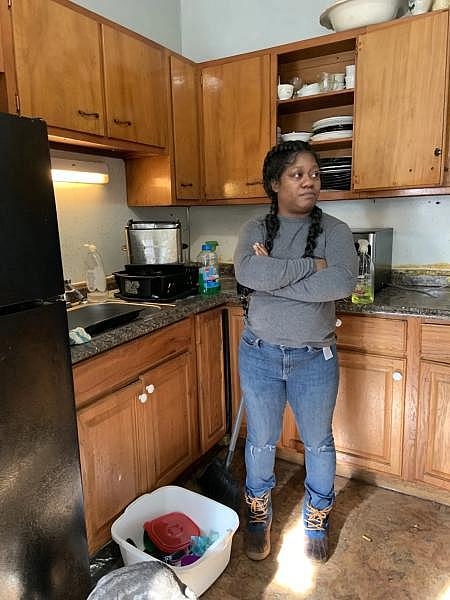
(402,298)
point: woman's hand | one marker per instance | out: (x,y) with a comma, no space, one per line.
(320,264)
(260,249)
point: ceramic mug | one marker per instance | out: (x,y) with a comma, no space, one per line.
(285,91)
(418,7)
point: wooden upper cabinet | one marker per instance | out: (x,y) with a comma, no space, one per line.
(400,102)
(236,127)
(185,128)
(58,65)
(135,88)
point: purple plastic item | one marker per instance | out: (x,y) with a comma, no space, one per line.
(188,559)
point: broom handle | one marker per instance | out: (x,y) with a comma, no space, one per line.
(235,433)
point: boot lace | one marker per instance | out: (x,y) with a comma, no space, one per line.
(259,508)
(316,518)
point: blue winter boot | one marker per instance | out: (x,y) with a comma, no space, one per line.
(259,521)
(315,524)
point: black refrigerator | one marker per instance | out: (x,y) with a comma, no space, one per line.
(43,549)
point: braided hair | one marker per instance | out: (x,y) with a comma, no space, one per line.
(277,160)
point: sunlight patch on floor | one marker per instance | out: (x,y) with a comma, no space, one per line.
(295,572)
(445,594)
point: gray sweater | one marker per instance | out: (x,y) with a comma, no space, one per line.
(292,304)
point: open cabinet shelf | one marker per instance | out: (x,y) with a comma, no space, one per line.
(299,113)
(316,101)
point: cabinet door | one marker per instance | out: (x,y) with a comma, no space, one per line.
(368,419)
(236,122)
(433,431)
(236,327)
(58,65)
(401,91)
(110,462)
(185,128)
(169,419)
(136,89)
(211,378)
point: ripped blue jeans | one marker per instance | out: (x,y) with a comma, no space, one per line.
(308,379)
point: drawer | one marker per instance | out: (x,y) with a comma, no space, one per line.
(372,334)
(435,342)
(112,369)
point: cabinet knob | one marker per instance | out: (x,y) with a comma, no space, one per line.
(143,398)
(150,388)
(397,376)
(437,151)
(338,323)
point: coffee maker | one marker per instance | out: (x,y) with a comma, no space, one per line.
(156,270)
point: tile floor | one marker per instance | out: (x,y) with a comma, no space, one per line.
(383,545)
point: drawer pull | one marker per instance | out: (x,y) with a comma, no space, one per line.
(338,323)
(187,184)
(397,376)
(150,388)
(254,182)
(143,398)
(124,123)
(83,113)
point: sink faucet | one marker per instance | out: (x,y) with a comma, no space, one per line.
(71,295)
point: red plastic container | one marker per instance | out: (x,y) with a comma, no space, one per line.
(171,532)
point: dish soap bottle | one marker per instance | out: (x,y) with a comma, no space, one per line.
(364,289)
(95,275)
(208,273)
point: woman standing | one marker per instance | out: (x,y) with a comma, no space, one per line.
(297,261)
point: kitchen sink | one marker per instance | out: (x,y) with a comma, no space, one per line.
(95,318)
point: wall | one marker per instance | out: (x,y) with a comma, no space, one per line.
(98,214)
(214,28)
(158,20)
(421,233)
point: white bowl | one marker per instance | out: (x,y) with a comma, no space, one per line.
(348,14)
(303,136)
(310,89)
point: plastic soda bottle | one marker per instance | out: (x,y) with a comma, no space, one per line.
(209,275)
(365,284)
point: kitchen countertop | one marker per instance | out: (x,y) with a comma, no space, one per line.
(400,300)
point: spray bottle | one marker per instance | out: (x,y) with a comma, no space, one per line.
(95,275)
(364,289)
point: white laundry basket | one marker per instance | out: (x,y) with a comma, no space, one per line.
(208,514)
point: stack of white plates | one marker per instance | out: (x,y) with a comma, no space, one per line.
(332,128)
(336,173)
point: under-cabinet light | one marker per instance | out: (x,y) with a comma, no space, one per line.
(79,171)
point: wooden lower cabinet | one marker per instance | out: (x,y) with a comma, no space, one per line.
(168,417)
(211,378)
(368,419)
(111,459)
(139,435)
(235,329)
(433,425)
